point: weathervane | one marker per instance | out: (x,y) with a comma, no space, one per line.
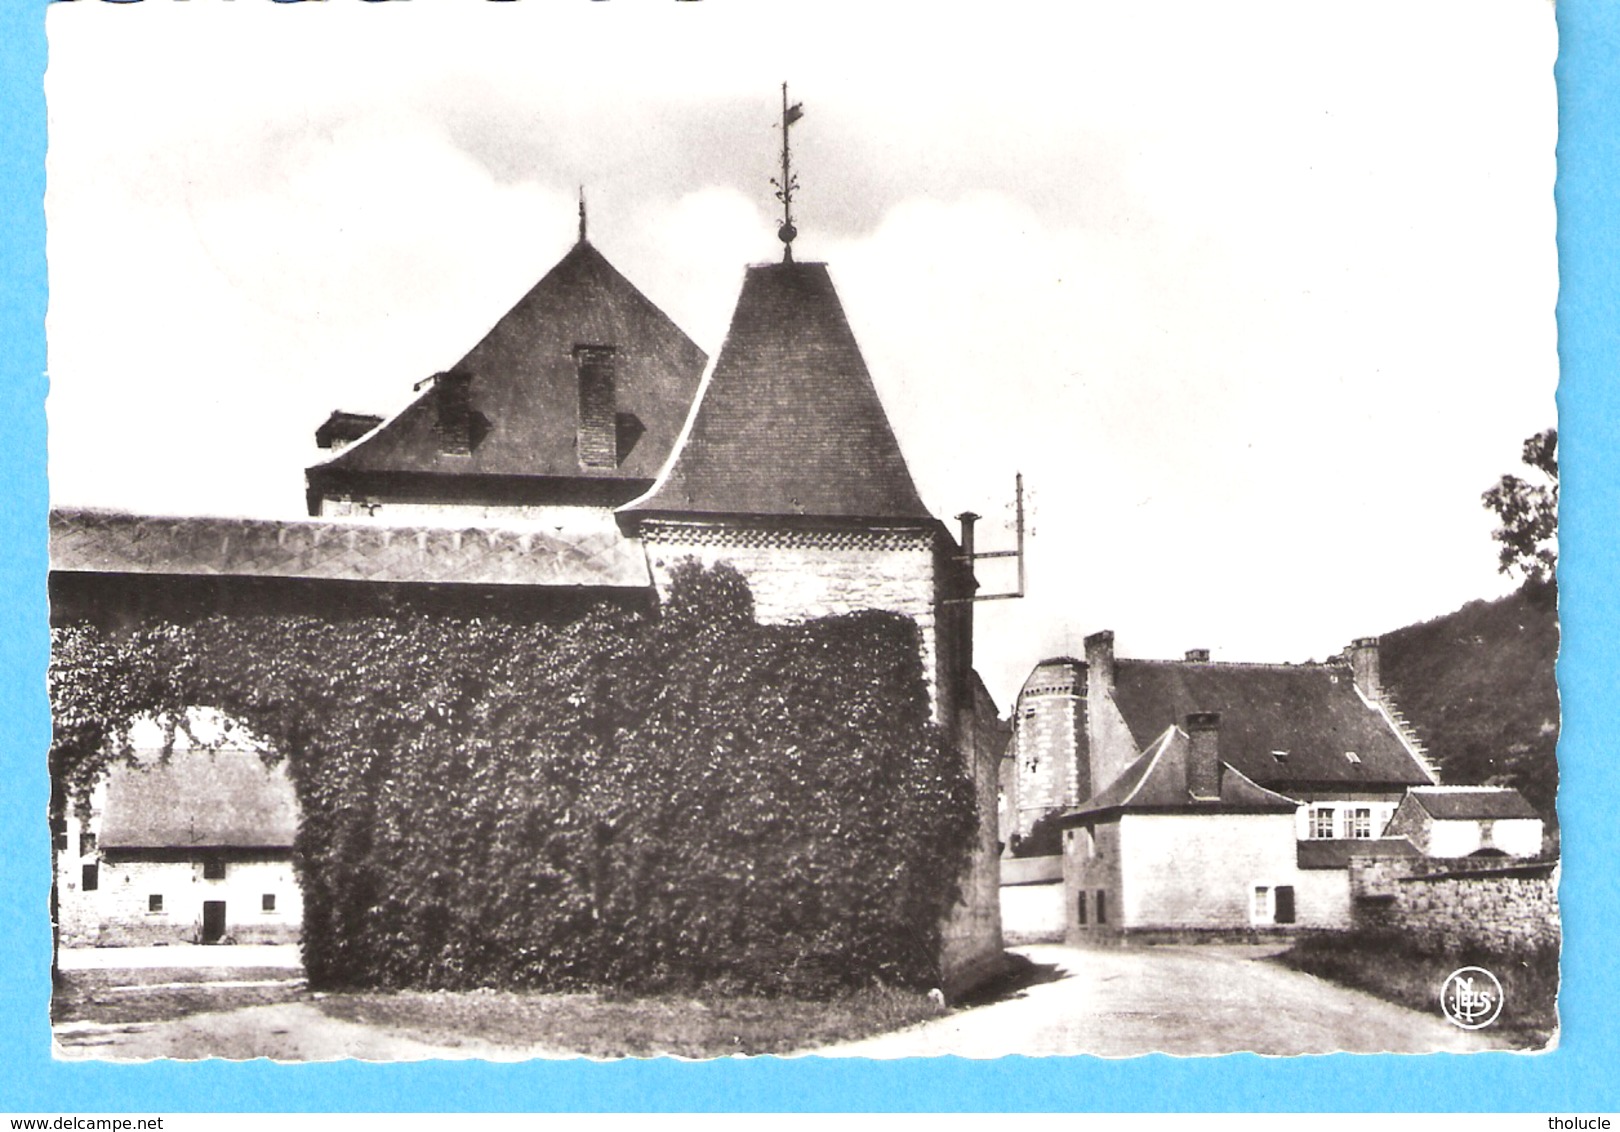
(785,187)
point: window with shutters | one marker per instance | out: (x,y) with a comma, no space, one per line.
(1284,904)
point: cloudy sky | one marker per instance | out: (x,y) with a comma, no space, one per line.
(1258,296)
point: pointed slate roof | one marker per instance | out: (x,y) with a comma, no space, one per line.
(1284,725)
(789,423)
(1157,783)
(525,384)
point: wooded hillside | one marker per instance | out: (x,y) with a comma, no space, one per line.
(1479,686)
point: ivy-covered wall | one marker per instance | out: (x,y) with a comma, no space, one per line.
(638,802)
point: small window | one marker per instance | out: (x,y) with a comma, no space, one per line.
(213,869)
(1102,906)
(267,902)
(154,902)
(1080,909)
(87,844)
(1285,903)
(1262,903)
(90,878)
(1361,823)
(1280,756)
(1355,759)
(1322,822)
(59,838)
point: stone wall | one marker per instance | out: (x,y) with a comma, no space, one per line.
(1092,864)
(1033,913)
(1458,905)
(971,935)
(1031,870)
(797,575)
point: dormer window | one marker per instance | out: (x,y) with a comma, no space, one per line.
(1281,757)
(1353,758)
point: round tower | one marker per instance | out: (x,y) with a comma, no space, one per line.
(1049,730)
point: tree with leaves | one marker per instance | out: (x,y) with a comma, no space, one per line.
(1529,513)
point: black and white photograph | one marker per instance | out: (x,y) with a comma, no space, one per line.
(620,530)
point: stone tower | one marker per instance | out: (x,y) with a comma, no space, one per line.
(1049,731)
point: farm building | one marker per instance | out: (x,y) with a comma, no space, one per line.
(1465,821)
(191,846)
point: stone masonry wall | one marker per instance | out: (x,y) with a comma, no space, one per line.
(1452,906)
(1048,732)
(799,575)
(1092,864)
(971,934)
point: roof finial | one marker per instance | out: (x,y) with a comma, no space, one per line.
(582,214)
(785,187)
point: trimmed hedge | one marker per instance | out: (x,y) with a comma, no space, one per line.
(645,804)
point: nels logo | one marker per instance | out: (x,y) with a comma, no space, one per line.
(1471,998)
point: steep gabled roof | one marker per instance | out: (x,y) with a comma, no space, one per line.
(1157,783)
(789,422)
(1472,803)
(525,385)
(200,799)
(1281,725)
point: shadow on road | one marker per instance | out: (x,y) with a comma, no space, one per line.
(1020,974)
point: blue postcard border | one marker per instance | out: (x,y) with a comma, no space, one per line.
(1578,1076)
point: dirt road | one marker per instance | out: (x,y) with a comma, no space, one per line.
(295,1031)
(1188,1001)
(1192,1000)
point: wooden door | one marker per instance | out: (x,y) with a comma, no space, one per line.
(213,921)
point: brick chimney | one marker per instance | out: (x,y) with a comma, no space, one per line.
(1198,656)
(1364,666)
(598,406)
(1204,755)
(1100,662)
(453,396)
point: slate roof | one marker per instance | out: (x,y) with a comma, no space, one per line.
(1472,803)
(344,428)
(1335,853)
(788,422)
(525,383)
(1157,782)
(1311,712)
(595,555)
(200,799)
